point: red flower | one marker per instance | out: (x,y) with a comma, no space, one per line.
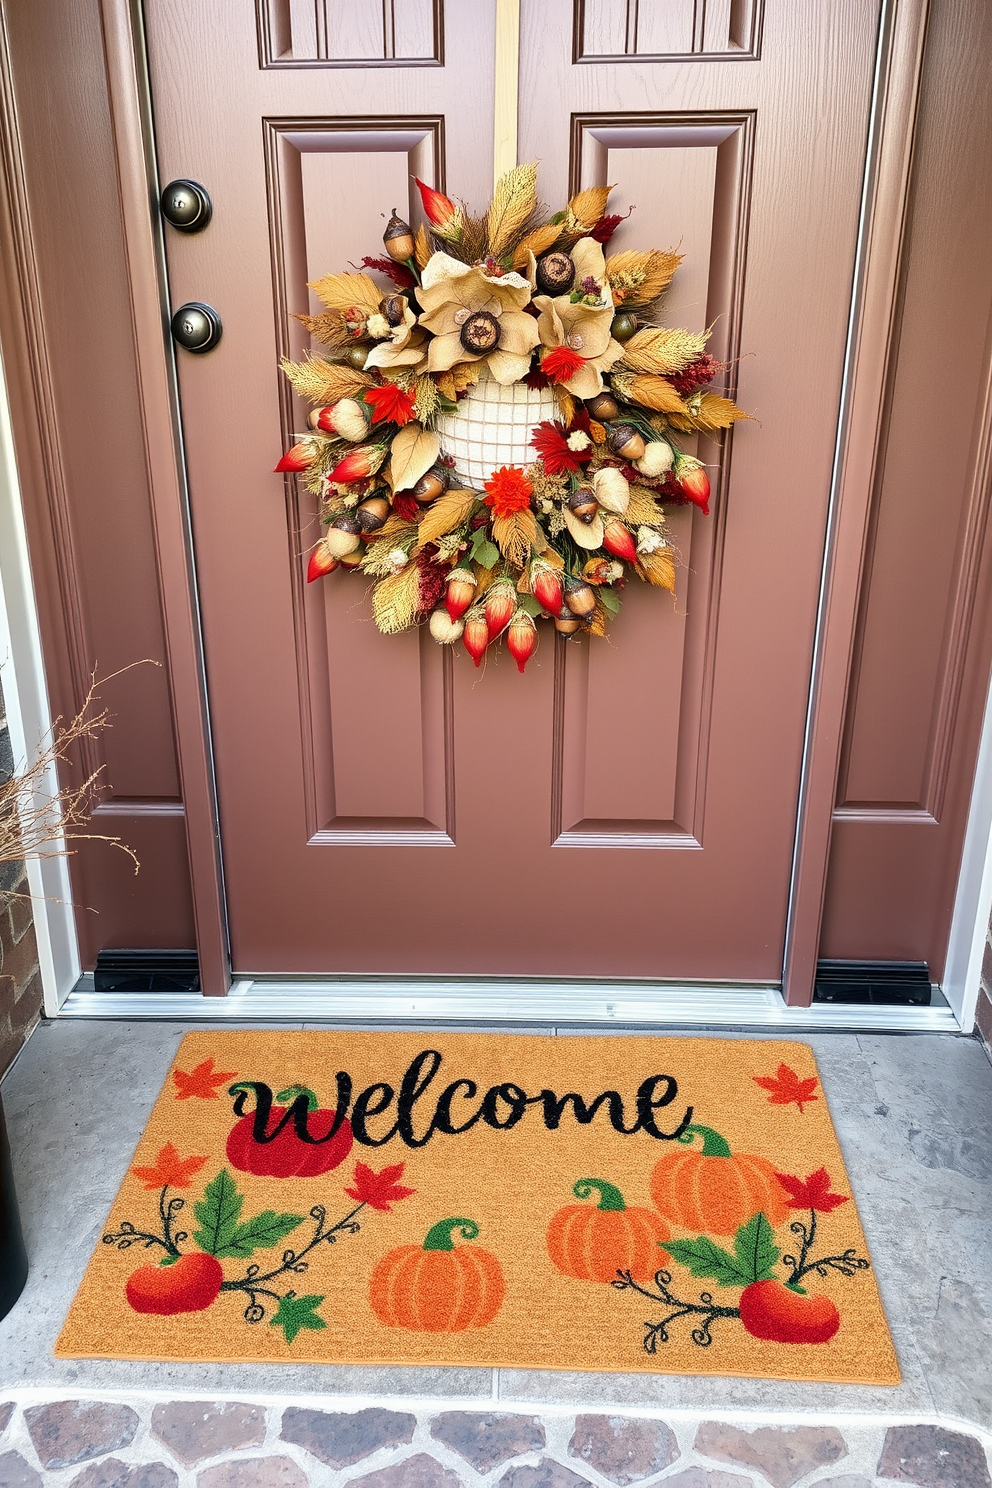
(399,273)
(786,1088)
(537,380)
(390,404)
(562,363)
(507,491)
(812,1192)
(607,226)
(551,443)
(406,505)
(441,210)
(379,1190)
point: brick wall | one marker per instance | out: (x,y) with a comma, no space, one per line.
(20,979)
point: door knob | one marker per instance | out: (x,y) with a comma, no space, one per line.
(186,205)
(196,327)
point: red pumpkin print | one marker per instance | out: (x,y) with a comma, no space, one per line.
(771,1310)
(187,1285)
(287,1156)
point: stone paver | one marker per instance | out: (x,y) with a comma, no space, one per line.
(933,1457)
(782,1454)
(65,1432)
(710,1477)
(547,1474)
(342,1438)
(16,1473)
(849,1480)
(254,1472)
(112,1473)
(194,1430)
(487,1441)
(419,1471)
(623,1450)
(6,1411)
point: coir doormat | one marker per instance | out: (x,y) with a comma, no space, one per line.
(677,1205)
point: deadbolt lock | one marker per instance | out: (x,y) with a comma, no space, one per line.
(196,327)
(186,205)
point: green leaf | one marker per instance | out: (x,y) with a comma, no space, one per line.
(483,551)
(704,1258)
(529,603)
(755,1249)
(609,599)
(218,1213)
(296,1313)
(260,1233)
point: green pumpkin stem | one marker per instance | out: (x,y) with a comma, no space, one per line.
(439,1236)
(287,1096)
(713,1144)
(609,1196)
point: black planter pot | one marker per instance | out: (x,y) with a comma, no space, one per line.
(13,1256)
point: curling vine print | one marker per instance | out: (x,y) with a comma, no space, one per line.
(497,429)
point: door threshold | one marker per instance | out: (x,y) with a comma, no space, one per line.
(521,1001)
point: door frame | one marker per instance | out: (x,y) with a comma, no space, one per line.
(899,59)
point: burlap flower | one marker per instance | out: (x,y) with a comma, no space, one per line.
(406,346)
(580,320)
(475,317)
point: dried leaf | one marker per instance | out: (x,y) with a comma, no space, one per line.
(661,350)
(650,392)
(516,536)
(422,248)
(638,278)
(396,527)
(710,412)
(413,452)
(659,568)
(446,514)
(465,375)
(600,619)
(446,385)
(589,205)
(642,509)
(330,329)
(396,599)
(341,291)
(567,405)
(536,242)
(513,204)
(323,382)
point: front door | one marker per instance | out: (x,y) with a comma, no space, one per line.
(627,807)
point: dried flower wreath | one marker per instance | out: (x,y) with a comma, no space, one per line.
(494,436)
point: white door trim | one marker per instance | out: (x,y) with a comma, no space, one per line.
(973,900)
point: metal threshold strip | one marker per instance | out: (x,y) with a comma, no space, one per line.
(520,1002)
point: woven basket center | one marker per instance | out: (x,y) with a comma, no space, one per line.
(493,427)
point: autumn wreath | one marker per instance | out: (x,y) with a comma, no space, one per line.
(496,433)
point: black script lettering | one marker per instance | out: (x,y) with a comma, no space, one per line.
(442,1117)
(512,1096)
(297,1112)
(416,1080)
(372,1101)
(648,1102)
(554,1107)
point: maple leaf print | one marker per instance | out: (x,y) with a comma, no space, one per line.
(812,1192)
(170,1170)
(786,1088)
(203,1081)
(378,1190)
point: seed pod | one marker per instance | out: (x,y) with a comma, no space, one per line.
(372,513)
(611,489)
(298,458)
(480,333)
(545,584)
(346,417)
(445,630)
(460,592)
(476,636)
(393,309)
(342,536)
(501,602)
(656,459)
(624,440)
(521,638)
(555,273)
(322,561)
(580,598)
(618,540)
(582,503)
(624,325)
(603,407)
(398,239)
(431,484)
(357,356)
(588,535)
(696,485)
(566,623)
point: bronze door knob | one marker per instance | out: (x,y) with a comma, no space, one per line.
(196,327)
(186,205)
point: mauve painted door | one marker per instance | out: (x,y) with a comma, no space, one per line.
(628,807)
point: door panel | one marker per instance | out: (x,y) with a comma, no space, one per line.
(628,807)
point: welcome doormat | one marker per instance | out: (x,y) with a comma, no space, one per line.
(673,1205)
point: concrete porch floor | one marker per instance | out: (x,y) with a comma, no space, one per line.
(914,1118)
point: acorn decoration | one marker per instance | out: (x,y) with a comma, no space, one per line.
(343,536)
(583,504)
(393,309)
(603,407)
(555,272)
(580,598)
(398,239)
(624,440)
(566,623)
(357,356)
(431,484)
(624,325)
(371,513)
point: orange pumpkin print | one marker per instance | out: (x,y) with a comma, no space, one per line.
(594,1243)
(714,1191)
(436,1288)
